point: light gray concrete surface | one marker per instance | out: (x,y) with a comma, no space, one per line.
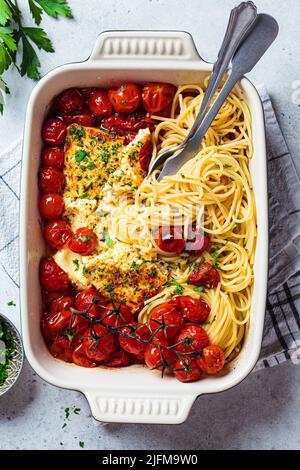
(263,411)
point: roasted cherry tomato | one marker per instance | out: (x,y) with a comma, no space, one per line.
(51,180)
(126,125)
(212,359)
(82,119)
(86,298)
(87,92)
(62,348)
(117,314)
(64,302)
(192,338)
(186,369)
(50,296)
(80,358)
(119,358)
(170,239)
(145,154)
(158,356)
(194,310)
(101,344)
(54,323)
(52,277)
(133,337)
(84,242)
(166,320)
(127,98)
(68,102)
(156,96)
(204,275)
(54,131)
(198,243)
(57,234)
(53,156)
(99,104)
(51,206)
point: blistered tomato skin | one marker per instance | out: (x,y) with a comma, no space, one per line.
(80,358)
(192,339)
(127,98)
(69,102)
(82,119)
(133,338)
(119,358)
(186,369)
(170,239)
(166,321)
(52,277)
(157,356)
(54,132)
(99,346)
(117,314)
(194,310)
(53,156)
(212,360)
(51,180)
(129,124)
(146,154)
(86,298)
(57,234)
(62,348)
(62,303)
(84,242)
(157,96)
(99,104)
(51,206)
(199,242)
(204,275)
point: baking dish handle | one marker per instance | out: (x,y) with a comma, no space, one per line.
(165,409)
(124,45)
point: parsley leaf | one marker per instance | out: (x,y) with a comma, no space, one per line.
(39,37)
(108,240)
(81,444)
(55,8)
(76,264)
(36,12)
(30,61)
(6,12)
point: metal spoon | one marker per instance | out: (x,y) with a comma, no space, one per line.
(240,22)
(250,52)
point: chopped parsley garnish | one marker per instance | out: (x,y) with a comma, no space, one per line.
(81,155)
(85,239)
(137,264)
(108,240)
(234,226)
(103,140)
(109,287)
(67,413)
(178,287)
(91,166)
(76,411)
(123,86)
(78,132)
(124,102)
(76,264)
(199,289)
(182,175)
(11,303)
(81,444)
(214,262)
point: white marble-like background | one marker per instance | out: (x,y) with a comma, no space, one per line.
(263,411)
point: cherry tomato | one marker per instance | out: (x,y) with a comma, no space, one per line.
(87,92)
(62,348)
(186,369)
(101,344)
(204,275)
(117,314)
(84,242)
(138,358)
(52,277)
(64,302)
(156,96)
(57,234)
(48,297)
(170,239)
(166,320)
(192,338)
(194,310)
(130,124)
(51,180)
(157,356)
(54,131)
(127,98)
(82,119)
(54,323)
(51,206)
(69,102)
(198,243)
(85,299)
(145,154)
(80,358)
(119,358)
(53,156)
(99,104)
(212,359)
(133,336)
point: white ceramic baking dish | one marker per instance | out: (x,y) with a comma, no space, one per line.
(132,394)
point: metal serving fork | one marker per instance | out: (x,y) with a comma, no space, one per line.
(240,22)
(257,42)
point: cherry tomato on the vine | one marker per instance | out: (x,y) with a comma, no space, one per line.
(192,339)
(82,119)
(133,338)
(100,344)
(166,320)
(62,348)
(64,302)
(51,180)
(212,359)
(117,314)
(86,298)
(119,358)
(157,356)
(80,358)
(186,369)
(57,233)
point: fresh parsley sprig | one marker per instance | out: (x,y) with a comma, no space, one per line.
(15,36)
